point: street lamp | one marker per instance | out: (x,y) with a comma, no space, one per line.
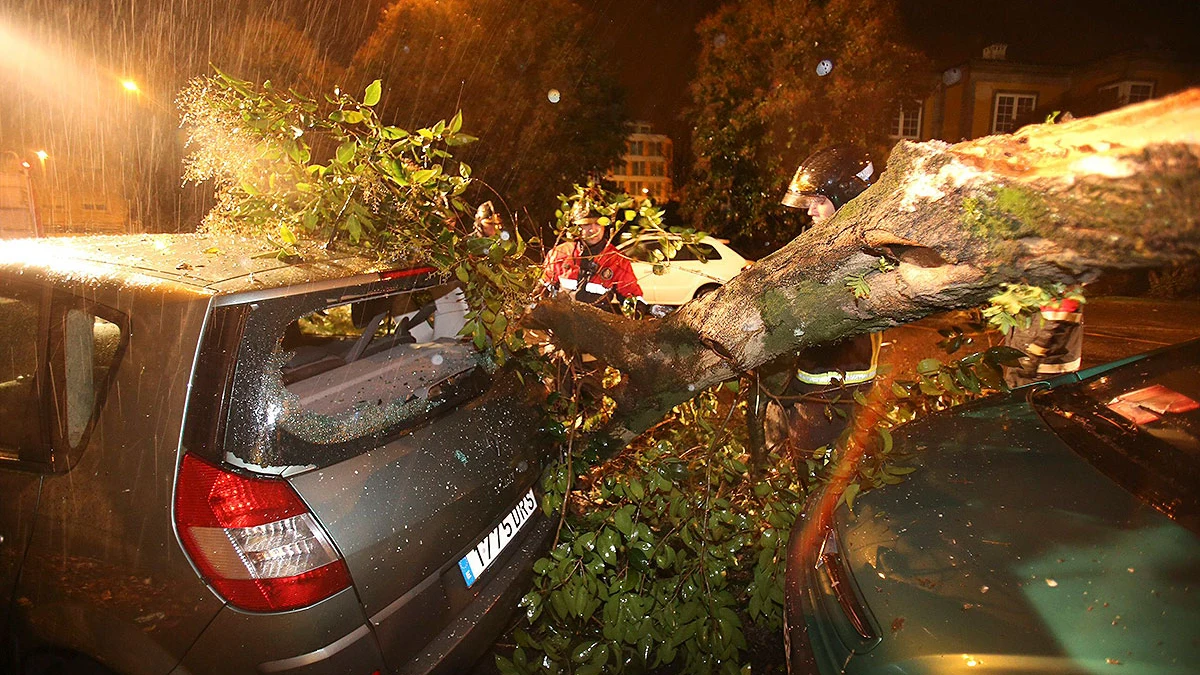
(130,86)
(34,221)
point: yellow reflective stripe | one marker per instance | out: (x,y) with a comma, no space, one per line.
(850,377)
(1056,368)
(1057,315)
(1035,350)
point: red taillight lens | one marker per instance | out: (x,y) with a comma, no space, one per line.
(400,274)
(254,540)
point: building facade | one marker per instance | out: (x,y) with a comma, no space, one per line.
(992,95)
(645,169)
(43,195)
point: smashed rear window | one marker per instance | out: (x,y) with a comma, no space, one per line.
(348,377)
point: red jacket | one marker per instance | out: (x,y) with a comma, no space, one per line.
(612,272)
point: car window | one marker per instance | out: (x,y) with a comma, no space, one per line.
(347,377)
(91,344)
(1140,425)
(75,347)
(701,252)
(21,354)
(644,249)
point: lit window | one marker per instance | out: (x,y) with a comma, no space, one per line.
(1128,91)
(906,123)
(1009,108)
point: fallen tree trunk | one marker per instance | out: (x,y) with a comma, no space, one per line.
(943,228)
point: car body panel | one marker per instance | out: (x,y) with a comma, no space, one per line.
(331,636)
(1008,550)
(452,478)
(102,561)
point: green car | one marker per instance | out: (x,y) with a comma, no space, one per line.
(1049,530)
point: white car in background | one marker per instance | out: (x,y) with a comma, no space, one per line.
(695,270)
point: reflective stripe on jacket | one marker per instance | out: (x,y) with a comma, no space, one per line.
(852,361)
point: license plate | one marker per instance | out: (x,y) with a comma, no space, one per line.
(486,551)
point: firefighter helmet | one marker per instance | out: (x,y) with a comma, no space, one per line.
(839,173)
(584,212)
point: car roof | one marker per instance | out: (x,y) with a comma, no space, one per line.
(207,264)
(652,236)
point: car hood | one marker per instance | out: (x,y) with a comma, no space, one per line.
(1005,551)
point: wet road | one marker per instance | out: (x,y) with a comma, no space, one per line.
(1117,327)
(1113,328)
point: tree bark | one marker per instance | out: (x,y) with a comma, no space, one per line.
(943,228)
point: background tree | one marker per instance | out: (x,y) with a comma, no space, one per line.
(760,106)
(528,77)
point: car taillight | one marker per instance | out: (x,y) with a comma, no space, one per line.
(254,540)
(400,274)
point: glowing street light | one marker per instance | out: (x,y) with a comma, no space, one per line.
(42,155)
(130,86)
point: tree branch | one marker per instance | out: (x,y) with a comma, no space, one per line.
(942,229)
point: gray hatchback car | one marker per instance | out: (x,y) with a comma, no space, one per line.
(212,461)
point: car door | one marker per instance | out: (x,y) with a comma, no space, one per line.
(693,267)
(22,430)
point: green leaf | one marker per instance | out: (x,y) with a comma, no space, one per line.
(849,494)
(929,366)
(392,133)
(636,489)
(456,123)
(352,117)
(606,546)
(286,234)
(460,139)
(374,90)
(624,519)
(423,176)
(345,151)
(462,274)
(886,435)
(1006,356)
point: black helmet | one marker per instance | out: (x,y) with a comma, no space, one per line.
(839,172)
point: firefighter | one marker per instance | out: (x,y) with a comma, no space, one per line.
(487,221)
(825,376)
(1053,343)
(590,269)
